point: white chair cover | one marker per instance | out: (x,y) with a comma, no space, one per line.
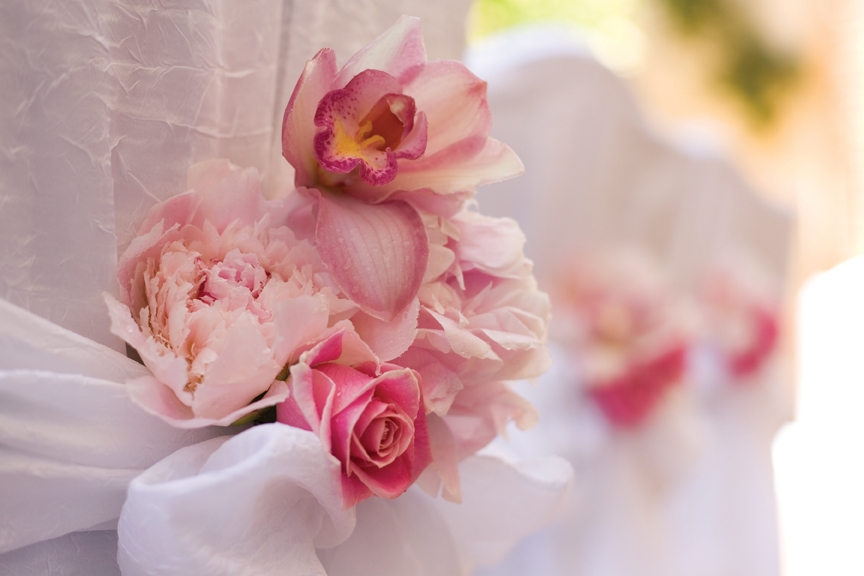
(600,177)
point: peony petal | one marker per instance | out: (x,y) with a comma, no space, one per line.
(298,128)
(244,369)
(388,340)
(399,52)
(159,400)
(376,253)
(492,245)
(165,365)
(461,340)
(438,383)
(442,474)
(298,321)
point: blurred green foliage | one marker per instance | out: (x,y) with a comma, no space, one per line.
(493,15)
(757,75)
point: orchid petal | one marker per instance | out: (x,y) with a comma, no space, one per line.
(454,100)
(377,254)
(388,340)
(459,167)
(399,51)
(298,127)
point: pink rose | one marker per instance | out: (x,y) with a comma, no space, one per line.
(368,415)
(216,300)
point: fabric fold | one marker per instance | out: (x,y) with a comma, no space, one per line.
(252,505)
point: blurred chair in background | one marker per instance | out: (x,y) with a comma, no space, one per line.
(601,179)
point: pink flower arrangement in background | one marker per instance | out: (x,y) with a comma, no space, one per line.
(372,305)
(741,319)
(629,335)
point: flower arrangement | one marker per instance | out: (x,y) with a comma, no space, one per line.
(629,334)
(371,305)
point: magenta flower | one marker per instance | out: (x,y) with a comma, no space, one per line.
(369,415)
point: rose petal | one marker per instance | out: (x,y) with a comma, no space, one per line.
(399,52)
(298,127)
(376,253)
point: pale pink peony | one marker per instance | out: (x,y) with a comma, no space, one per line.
(216,300)
(369,415)
(482,316)
(387,125)
(482,320)
(628,334)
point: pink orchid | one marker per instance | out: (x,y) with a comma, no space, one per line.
(629,338)
(387,124)
(389,120)
(216,300)
(368,415)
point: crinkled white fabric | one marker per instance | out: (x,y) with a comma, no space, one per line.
(600,178)
(91,553)
(105,104)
